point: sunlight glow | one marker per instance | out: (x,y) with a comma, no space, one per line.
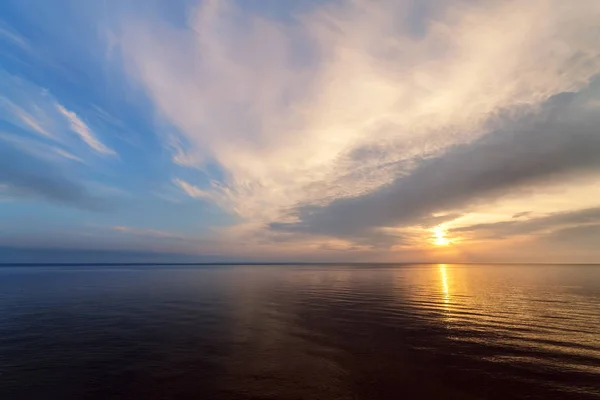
(440,236)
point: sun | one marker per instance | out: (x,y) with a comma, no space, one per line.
(440,236)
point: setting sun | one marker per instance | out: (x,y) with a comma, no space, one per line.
(440,236)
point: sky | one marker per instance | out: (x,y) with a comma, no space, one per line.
(305,130)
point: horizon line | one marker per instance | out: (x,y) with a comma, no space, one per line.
(220,263)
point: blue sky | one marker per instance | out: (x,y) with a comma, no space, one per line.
(304,130)
(82,149)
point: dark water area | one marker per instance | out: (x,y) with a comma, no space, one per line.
(300,332)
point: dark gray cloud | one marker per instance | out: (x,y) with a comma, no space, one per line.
(522,214)
(560,140)
(435,220)
(371,237)
(26,176)
(553,223)
(586,236)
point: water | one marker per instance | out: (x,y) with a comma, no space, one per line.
(300,332)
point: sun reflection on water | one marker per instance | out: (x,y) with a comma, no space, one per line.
(445,288)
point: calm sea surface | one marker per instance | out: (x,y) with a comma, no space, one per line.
(300,332)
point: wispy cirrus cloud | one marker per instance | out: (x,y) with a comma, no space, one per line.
(26,118)
(84,131)
(194,191)
(37,150)
(34,109)
(9,34)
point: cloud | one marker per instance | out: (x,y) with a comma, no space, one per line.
(338,109)
(179,154)
(579,238)
(84,132)
(38,149)
(28,177)
(34,148)
(35,152)
(26,118)
(27,109)
(7,33)
(68,155)
(550,224)
(552,145)
(191,190)
(522,214)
